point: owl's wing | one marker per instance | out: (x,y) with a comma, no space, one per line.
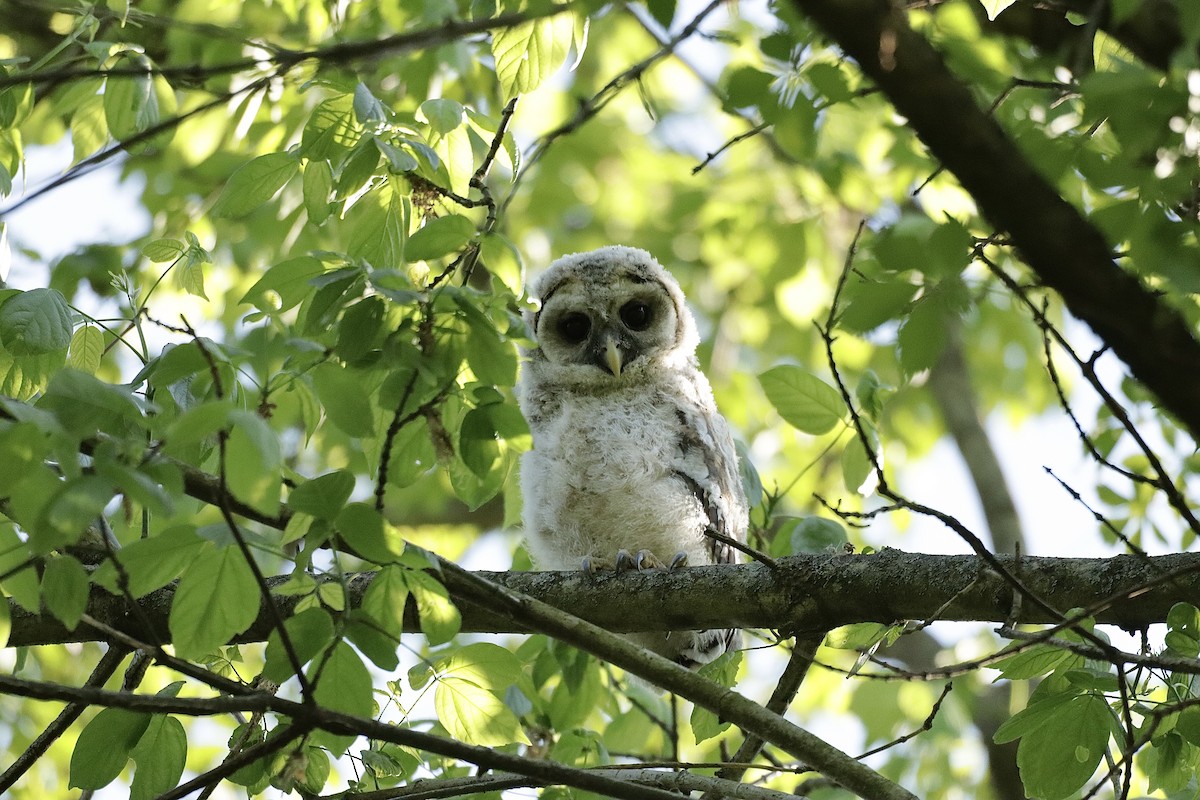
(707,463)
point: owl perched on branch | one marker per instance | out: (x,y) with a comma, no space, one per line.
(632,466)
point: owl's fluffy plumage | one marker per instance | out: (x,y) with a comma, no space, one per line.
(629,450)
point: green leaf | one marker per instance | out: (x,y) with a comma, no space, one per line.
(1058,757)
(35,322)
(526,54)
(345,402)
(723,670)
(803,400)
(503,261)
(472,489)
(477,443)
(386,598)
(65,589)
(160,755)
(310,632)
(994,7)
(1187,725)
(871,303)
(162,250)
(330,132)
(344,685)
(859,636)
(379,224)
(104,746)
(318,184)
(439,237)
(469,691)
(68,513)
(86,349)
(369,535)
(131,104)
(324,496)
(284,285)
(84,404)
(442,114)
(440,620)
(21,577)
(474,715)
(484,664)
(16,102)
(858,468)
(89,128)
(254,183)
(491,357)
(360,328)
(368,109)
(1042,707)
(217,599)
(253,461)
(154,562)
(1183,630)
(924,332)
(1037,660)
(815,535)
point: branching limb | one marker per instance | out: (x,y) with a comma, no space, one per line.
(104,670)
(799,661)
(1065,250)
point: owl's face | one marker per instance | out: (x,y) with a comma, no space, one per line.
(610,317)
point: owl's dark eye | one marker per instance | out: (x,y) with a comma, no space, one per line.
(574,327)
(636,315)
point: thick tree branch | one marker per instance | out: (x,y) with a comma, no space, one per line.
(307,716)
(1065,250)
(804,593)
(1151,31)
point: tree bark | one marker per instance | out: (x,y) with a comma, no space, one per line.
(806,593)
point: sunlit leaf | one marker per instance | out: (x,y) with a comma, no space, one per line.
(344,685)
(35,322)
(802,399)
(86,349)
(217,598)
(526,54)
(254,183)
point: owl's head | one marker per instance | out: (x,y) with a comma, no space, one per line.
(609,317)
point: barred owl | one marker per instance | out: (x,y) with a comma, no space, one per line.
(632,466)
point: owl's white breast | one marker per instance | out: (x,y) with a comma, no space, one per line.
(600,478)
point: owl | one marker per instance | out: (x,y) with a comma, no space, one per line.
(632,467)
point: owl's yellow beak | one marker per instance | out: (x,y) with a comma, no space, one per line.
(612,357)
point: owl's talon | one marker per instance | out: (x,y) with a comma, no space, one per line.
(647,560)
(592,565)
(625,561)
(678,560)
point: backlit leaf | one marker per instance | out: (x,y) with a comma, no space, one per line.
(35,322)
(217,598)
(254,183)
(802,399)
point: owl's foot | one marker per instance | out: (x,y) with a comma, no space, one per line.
(646,559)
(591,565)
(626,562)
